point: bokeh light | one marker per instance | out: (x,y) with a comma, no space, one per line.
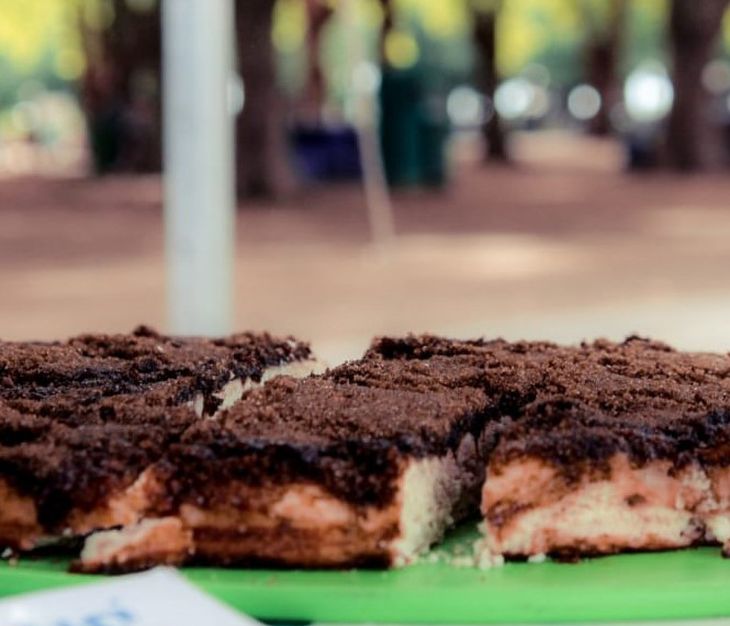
(584,102)
(716,76)
(366,77)
(648,93)
(513,98)
(401,49)
(465,107)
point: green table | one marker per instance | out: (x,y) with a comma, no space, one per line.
(672,585)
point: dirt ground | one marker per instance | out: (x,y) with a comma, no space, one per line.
(564,246)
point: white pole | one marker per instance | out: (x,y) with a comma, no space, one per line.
(199,162)
(363,95)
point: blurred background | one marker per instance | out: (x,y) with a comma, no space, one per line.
(555,168)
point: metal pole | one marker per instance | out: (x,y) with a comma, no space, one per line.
(199,165)
(377,195)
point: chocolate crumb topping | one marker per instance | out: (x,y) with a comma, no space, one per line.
(348,437)
(433,374)
(577,406)
(577,439)
(91,367)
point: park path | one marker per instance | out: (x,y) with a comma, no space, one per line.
(556,247)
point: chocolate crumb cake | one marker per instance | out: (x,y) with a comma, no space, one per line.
(316,473)
(596,449)
(165,447)
(83,422)
(570,481)
(61,480)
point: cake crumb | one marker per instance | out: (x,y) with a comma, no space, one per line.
(484,557)
(462,561)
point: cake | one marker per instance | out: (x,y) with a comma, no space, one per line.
(564,451)
(59,481)
(596,449)
(626,449)
(315,473)
(83,422)
(570,481)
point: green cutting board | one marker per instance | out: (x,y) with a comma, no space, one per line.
(670,585)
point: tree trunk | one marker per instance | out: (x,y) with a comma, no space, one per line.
(485,39)
(262,154)
(121,91)
(387,24)
(692,143)
(602,57)
(314,95)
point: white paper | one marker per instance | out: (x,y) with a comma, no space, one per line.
(160,597)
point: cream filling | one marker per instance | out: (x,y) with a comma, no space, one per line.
(635,508)
(164,539)
(234,389)
(120,510)
(302,506)
(309,506)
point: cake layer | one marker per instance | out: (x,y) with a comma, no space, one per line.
(297,525)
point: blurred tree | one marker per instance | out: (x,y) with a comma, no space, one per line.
(40,40)
(485,13)
(645,34)
(120,87)
(121,95)
(544,32)
(694,28)
(605,23)
(318,13)
(387,22)
(262,153)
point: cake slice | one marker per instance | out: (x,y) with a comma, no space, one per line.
(83,422)
(626,448)
(314,473)
(59,481)
(594,449)
(568,481)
